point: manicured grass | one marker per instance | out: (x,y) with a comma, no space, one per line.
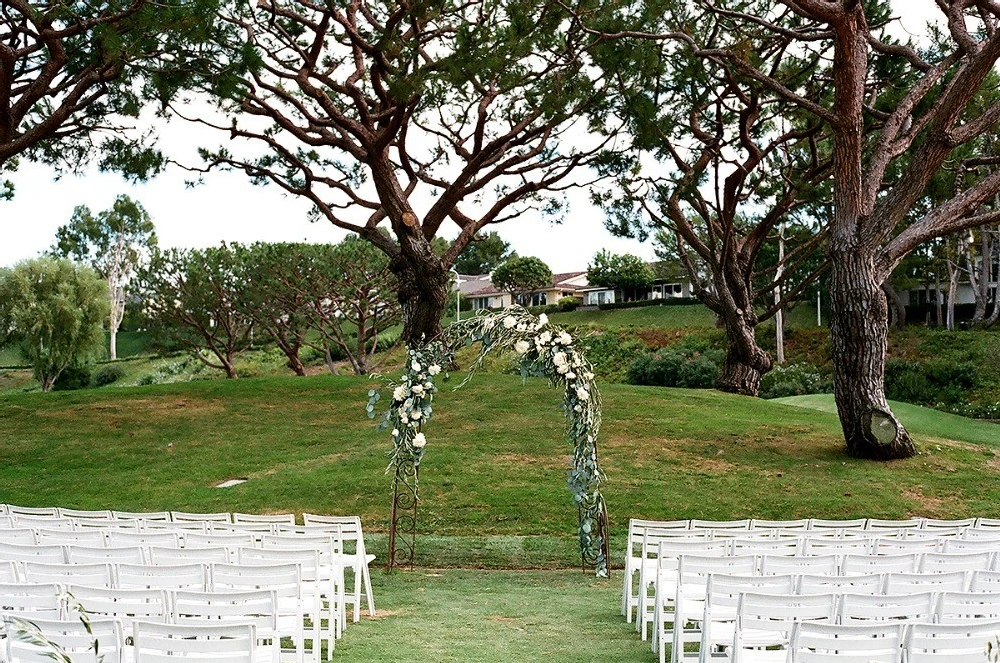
(802,316)
(494,616)
(495,463)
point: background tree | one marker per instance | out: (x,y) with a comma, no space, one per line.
(192,298)
(717,162)
(412,116)
(114,243)
(623,272)
(897,113)
(71,72)
(520,276)
(484,254)
(53,310)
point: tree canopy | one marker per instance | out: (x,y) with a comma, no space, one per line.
(619,271)
(484,254)
(522,275)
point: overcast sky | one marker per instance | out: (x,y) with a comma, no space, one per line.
(227,207)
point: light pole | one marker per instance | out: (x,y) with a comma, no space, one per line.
(458,295)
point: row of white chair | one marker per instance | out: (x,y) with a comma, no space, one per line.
(713,597)
(152,641)
(166,516)
(815,524)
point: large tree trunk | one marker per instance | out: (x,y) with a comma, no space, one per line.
(745,362)
(114,343)
(859,340)
(423,296)
(952,295)
(897,309)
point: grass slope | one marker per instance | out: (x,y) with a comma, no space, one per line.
(802,316)
(495,464)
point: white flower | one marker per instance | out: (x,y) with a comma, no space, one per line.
(570,375)
(416,414)
(509,322)
(544,337)
(588,376)
(419,441)
(415,366)
(559,358)
(543,320)
(428,385)
(403,418)
(433,369)
(522,327)
(582,393)
(395,432)
(399,393)
(417,389)
(521,347)
(562,369)
(565,339)
(577,408)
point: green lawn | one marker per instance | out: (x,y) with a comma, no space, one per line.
(495,463)
(802,316)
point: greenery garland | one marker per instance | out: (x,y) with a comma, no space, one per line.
(543,350)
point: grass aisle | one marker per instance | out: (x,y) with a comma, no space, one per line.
(484,616)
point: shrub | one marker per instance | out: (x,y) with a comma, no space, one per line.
(674,368)
(107,374)
(610,353)
(567,304)
(72,378)
(794,380)
(931,382)
(666,301)
(546,309)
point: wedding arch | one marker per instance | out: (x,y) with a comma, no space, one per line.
(543,350)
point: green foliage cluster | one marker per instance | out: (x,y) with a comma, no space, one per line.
(796,379)
(73,378)
(675,368)
(484,254)
(611,352)
(107,374)
(521,275)
(930,382)
(665,301)
(619,271)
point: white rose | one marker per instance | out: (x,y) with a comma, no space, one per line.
(428,385)
(395,432)
(565,339)
(403,418)
(570,375)
(522,327)
(415,366)
(521,347)
(416,414)
(544,337)
(559,359)
(399,393)
(509,322)
(582,393)
(543,320)
(433,369)
(562,369)
(419,441)
(577,408)
(588,376)
(417,389)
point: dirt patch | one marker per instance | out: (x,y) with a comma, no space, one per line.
(930,507)
(503,620)
(383,614)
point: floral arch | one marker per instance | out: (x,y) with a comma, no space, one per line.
(543,350)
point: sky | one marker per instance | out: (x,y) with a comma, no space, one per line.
(226,207)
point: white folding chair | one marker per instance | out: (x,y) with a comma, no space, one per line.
(721,526)
(901,608)
(764,623)
(976,534)
(257,529)
(127,539)
(901,546)
(691,582)
(961,607)
(285,580)
(846,525)
(718,620)
(93,538)
(932,523)
(846,584)
(31,601)
(984,581)
(987,523)
(256,607)
(824,546)
(192,577)
(945,562)
(125,605)
(942,533)
(948,643)
(815,564)
(633,561)
(971,545)
(45,522)
(184,517)
(332,564)
(80,514)
(815,642)
(8,573)
(913,583)
(353,546)
(122,555)
(893,525)
(662,578)
(73,638)
(19,536)
(165,643)
(284,518)
(789,547)
(232,541)
(11,552)
(800,524)
(41,511)
(180,527)
(168,556)
(897,563)
(163,516)
(94,575)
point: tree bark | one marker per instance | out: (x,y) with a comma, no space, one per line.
(859,340)
(953,274)
(746,362)
(897,310)
(937,299)
(114,343)
(328,358)
(423,296)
